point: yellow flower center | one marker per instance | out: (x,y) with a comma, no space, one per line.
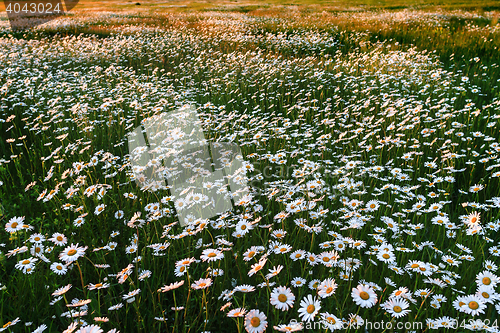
(386,256)
(329,290)
(397,309)
(14,225)
(485,294)
(364,295)
(310,308)
(71,252)
(282,298)
(59,238)
(255,322)
(331,320)
(473,305)
(25,262)
(99,285)
(7,325)
(486,280)
(211,255)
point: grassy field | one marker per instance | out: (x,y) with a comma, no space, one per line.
(258,7)
(369,136)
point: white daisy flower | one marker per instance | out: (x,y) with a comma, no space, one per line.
(282,298)
(364,296)
(309,307)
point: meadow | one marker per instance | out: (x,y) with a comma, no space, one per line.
(369,136)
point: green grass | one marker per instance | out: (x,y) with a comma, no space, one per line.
(304,84)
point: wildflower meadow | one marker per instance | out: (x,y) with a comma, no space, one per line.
(350,156)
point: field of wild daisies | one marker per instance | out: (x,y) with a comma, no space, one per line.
(370,149)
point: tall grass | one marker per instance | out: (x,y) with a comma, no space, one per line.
(351,100)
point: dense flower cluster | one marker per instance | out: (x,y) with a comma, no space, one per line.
(373,181)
